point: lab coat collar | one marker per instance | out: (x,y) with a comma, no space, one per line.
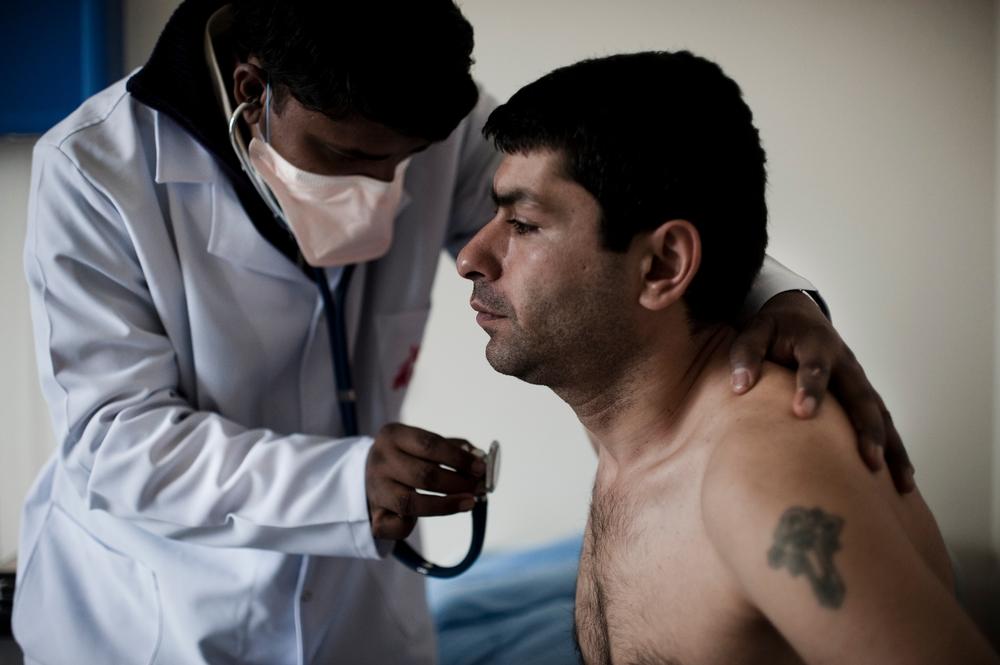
(176,81)
(233,236)
(178,159)
(173,156)
(177,84)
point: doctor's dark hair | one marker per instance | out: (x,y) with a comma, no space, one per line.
(400,63)
(656,136)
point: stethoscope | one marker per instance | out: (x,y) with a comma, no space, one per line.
(334,310)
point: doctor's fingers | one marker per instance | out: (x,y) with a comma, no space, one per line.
(407,502)
(387,525)
(459,454)
(432,477)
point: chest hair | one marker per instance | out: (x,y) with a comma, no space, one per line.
(602,591)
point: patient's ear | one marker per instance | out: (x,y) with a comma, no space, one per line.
(671,259)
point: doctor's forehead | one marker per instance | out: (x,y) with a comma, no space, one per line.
(353,135)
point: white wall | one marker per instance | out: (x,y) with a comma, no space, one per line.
(996,281)
(879,120)
(27,437)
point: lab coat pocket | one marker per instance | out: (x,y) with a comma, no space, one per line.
(399,338)
(79,601)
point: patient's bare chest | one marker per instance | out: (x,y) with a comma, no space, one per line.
(616,621)
(650,589)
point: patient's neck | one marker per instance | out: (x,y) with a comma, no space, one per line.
(635,409)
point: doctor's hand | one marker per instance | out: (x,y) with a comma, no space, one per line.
(791,330)
(404,459)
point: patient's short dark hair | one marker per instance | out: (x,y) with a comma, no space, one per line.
(656,136)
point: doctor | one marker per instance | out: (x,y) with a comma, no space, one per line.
(203,504)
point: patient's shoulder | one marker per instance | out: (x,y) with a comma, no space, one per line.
(761,421)
(759,437)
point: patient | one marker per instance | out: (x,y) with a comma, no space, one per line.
(630,223)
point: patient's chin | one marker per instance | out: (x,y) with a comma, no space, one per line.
(508,361)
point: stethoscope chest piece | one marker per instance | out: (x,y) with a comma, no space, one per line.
(411,558)
(492,467)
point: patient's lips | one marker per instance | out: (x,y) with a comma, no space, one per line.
(485,315)
(490,306)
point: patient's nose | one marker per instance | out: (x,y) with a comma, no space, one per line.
(478,259)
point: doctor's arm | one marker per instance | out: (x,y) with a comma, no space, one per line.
(793,329)
(130,441)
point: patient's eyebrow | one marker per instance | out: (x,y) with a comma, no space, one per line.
(510,197)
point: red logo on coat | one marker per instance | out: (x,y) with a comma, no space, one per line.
(405,372)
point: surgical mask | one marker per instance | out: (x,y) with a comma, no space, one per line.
(336,220)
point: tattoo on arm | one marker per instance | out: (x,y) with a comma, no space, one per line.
(805,542)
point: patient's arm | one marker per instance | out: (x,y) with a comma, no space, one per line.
(843,567)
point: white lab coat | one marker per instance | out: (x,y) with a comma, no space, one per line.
(199,507)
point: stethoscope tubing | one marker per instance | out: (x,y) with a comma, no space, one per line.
(409,556)
(336,320)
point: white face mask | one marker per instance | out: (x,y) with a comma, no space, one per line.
(336,220)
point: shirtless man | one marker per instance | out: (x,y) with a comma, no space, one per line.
(630,223)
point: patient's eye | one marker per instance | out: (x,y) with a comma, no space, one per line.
(520,228)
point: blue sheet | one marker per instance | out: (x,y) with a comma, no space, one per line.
(511,607)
